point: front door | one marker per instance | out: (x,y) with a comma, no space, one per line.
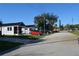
(20,31)
(17,30)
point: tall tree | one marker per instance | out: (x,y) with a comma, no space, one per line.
(45,21)
(59,23)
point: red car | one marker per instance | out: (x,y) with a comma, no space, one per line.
(36,33)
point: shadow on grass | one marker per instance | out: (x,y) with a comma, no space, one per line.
(17,47)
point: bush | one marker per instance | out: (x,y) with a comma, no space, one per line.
(34,37)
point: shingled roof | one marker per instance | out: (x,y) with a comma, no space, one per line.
(30,25)
(11,24)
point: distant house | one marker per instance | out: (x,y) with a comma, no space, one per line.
(29,28)
(15,28)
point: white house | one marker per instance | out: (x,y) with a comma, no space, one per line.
(12,28)
(29,28)
(18,28)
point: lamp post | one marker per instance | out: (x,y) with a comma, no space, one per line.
(60,24)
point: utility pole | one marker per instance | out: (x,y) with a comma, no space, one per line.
(44,25)
(60,24)
(72,23)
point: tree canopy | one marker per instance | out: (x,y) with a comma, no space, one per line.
(45,21)
(72,27)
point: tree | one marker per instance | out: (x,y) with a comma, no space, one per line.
(72,27)
(62,27)
(45,21)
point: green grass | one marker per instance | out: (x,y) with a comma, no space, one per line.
(75,32)
(5,45)
(33,37)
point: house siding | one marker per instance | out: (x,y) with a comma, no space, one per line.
(23,31)
(6,32)
(0,28)
(28,31)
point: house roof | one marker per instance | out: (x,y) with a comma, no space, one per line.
(0,23)
(30,25)
(11,24)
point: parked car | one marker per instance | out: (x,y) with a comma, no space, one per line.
(56,30)
(36,33)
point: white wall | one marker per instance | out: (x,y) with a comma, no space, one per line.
(6,32)
(28,31)
(0,28)
(23,31)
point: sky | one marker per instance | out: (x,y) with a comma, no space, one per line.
(25,12)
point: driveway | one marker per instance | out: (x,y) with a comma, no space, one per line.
(59,44)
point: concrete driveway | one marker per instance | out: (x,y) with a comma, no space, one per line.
(59,44)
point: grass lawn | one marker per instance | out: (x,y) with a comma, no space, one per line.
(75,32)
(33,37)
(5,45)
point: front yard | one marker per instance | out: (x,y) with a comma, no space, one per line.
(75,32)
(5,45)
(32,37)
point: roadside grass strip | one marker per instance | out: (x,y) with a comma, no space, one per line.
(5,45)
(75,32)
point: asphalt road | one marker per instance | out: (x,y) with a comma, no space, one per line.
(59,44)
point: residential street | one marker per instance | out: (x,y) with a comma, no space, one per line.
(58,44)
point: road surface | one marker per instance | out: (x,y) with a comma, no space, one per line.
(58,44)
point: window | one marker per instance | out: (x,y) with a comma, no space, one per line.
(9,28)
(26,29)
